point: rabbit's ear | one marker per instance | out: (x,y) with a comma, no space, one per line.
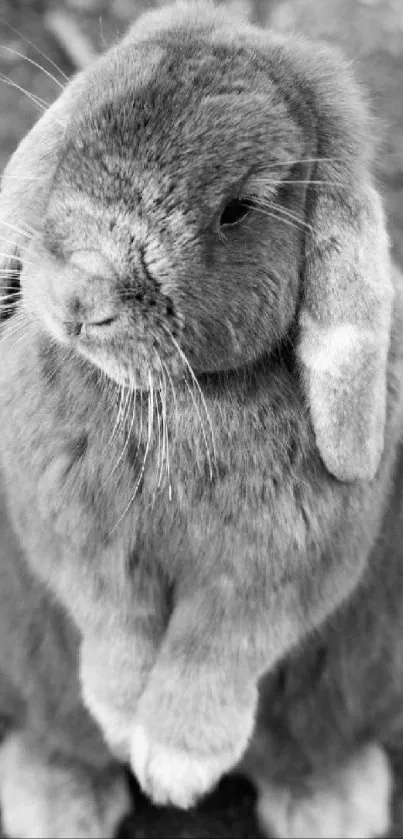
(345,322)
(26,181)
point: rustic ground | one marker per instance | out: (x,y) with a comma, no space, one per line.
(371,32)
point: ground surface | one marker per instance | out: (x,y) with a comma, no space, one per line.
(371,32)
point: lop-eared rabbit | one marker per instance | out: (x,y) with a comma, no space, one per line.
(201,416)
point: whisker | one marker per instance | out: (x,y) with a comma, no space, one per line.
(15,228)
(134,493)
(23,178)
(194,379)
(37,100)
(293,162)
(192,396)
(16,324)
(160,420)
(30,229)
(305,183)
(126,443)
(166,437)
(117,420)
(175,401)
(150,403)
(37,50)
(34,63)
(8,308)
(16,330)
(288,214)
(277,216)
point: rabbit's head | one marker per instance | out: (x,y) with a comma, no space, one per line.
(205,193)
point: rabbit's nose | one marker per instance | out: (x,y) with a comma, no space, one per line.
(88,319)
(90,308)
(86,294)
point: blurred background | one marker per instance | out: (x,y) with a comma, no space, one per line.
(42,43)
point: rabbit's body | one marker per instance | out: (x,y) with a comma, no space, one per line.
(341,689)
(197,527)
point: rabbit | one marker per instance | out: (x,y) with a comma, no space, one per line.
(201,408)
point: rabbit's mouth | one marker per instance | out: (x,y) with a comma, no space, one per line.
(110,345)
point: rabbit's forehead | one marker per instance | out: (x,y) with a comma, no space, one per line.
(184,123)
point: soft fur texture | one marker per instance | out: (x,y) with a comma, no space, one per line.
(190,529)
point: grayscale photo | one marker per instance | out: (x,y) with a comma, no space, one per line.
(201,419)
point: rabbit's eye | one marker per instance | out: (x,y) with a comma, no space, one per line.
(235,212)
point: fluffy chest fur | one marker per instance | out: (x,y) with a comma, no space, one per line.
(94,468)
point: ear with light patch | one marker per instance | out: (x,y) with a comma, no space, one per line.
(26,182)
(344,325)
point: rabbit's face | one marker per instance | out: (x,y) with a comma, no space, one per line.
(202,193)
(175,220)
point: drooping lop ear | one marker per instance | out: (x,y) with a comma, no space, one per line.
(27,178)
(345,323)
(347,291)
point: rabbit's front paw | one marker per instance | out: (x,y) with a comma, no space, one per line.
(172,775)
(183,740)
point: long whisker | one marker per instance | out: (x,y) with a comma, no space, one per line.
(166,437)
(274,215)
(37,100)
(118,415)
(272,182)
(37,50)
(15,228)
(126,443)
(23,178)
(293,162)
(288,214)
(160,420)
(134,493)
(16,330)
(192,396)
(8,308)
(175,401)
(150,404)
(34,63)
(29,227)
(194,379)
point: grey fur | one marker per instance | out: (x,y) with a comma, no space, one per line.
(250,554)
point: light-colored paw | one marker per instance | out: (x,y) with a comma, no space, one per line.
(40,799)
(351,803)
(173,776)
